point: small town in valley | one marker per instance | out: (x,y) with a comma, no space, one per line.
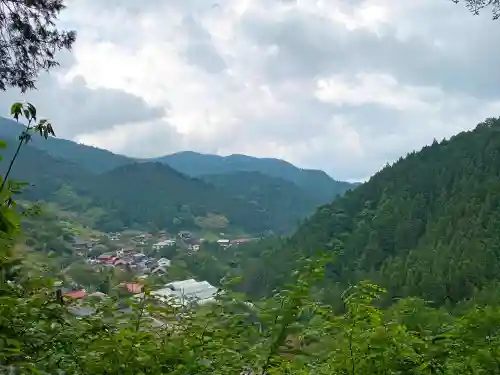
(145,259)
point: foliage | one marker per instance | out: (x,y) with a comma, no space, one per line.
(313,182)
(425,226)
(29,40)
(476,6)
(291,331)
(153,195)
(285,202)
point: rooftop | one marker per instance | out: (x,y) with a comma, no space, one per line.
(76,294)
(186,291)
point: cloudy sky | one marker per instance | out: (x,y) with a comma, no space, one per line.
(340,85)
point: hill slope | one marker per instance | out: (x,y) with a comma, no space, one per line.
(287,202)
(91,158)
(190,163)
(316,182)
(138,194)
(154,193)
(428,225)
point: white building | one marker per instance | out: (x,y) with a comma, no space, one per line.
(164,262)
(223,242)
(187,291)
(162,244)
(195,247)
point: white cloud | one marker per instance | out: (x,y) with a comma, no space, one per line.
(382,89)
(344,86)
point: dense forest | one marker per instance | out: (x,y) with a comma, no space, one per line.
(424,229)
(424,226)
(317,183)
(149,194)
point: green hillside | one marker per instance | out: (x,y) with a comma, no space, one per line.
(316,182)
(286,203)
(90,158)
(256,195)
(153,195)
(428,225)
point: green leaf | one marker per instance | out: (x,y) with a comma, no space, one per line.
(16,110)
(31,110)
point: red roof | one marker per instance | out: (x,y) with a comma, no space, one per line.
(108,260)
(134,287)
(76,294)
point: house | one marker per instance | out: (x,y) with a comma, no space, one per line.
(79,244)
(78,294)
(164,262)
(98,295)
(194,247)
(133,287)
(185,235)
(162,244)
(138,257)
(224,242)
(125,252)
(186,292)
(119,262)
(159,270)
(109,254)
(107,258)
(114,236)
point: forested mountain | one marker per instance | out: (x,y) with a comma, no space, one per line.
(288,202)
(428,225)
(316,182)
(154,193)
(275,194)
(91,158)
(146,195)
(190,163)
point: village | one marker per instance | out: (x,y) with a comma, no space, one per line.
(144,256)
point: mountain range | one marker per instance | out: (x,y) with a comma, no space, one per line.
(427,226)
(178,190)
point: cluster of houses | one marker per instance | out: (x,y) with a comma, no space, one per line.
(182,293)
(132,260)
(132,256)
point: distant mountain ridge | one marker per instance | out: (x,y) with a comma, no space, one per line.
(252,193)
(316,182)
(191,163)
(91,158)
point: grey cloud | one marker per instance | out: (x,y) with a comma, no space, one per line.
(310,46)
(76,109)
(156,138)
(200,50)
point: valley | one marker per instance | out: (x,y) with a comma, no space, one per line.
(411,252)
(260,196)
(190,263)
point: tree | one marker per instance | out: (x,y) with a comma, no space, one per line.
(29,40)
(476,6)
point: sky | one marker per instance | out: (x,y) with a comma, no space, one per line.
(345,86)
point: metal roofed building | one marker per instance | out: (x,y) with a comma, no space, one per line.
(187,291)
